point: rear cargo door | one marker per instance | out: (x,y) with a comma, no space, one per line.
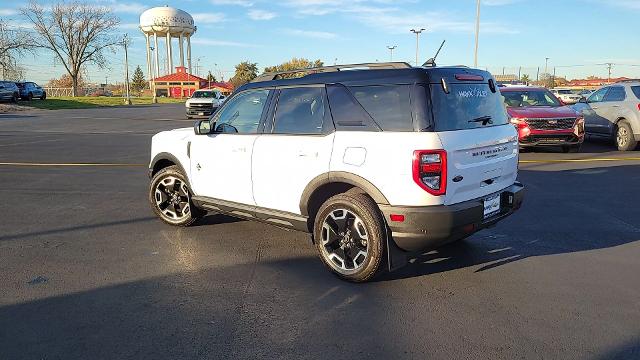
(482,146)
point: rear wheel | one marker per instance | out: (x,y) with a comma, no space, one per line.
(349,236)
(30,96)
(625,140)
(170,198)
(14,98)
(44,96)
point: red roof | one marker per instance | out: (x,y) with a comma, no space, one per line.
(223,85)
(180,75)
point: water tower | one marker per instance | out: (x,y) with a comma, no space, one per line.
(169,23)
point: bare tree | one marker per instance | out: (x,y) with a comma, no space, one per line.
(13,43)
(76,32)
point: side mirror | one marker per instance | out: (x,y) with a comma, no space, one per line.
(202,127)
(583,100)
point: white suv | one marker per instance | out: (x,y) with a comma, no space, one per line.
(374,163)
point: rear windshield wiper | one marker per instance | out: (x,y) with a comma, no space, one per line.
(483,119)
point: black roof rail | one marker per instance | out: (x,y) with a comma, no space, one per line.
(333,68)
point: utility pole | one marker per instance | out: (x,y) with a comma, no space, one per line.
(417,32)
(125,41)
(538,74)
(609,65)
(546,64)
(391,48)
(198,67)
(475,53)
(553,79)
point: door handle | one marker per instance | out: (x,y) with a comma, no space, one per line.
(302,153)
(239,149)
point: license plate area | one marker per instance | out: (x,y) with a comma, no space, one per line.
(201,113)
(491,206)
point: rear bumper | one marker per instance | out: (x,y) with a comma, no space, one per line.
(432,226)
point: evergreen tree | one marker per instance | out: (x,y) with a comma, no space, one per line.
(138,82)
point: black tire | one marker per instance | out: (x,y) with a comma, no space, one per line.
(30,97)
(176,196)
(361,214)
(44,96)
(571,148)
(14,98)
(623,136)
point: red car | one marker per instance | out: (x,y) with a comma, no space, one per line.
(542,119)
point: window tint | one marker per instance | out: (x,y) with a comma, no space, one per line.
(347,113)
(389,106)
(242,113)
(636,91)
(615,93)
(300,111)
(598,95)
(466,106)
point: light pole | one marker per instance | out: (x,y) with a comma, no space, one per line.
(475,52)
(546,67)
(417,32)
(152,83)
(125,41)
(391,48)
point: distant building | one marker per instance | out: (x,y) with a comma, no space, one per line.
(182,84)
(506,78)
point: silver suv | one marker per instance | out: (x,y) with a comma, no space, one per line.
(614,112)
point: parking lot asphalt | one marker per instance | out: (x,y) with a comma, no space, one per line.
(87,271)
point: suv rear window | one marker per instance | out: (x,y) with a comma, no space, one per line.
(636,91)
(388,105)
(465,107)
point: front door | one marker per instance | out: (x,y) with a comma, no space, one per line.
(295,148)
(593,112)
(221,161)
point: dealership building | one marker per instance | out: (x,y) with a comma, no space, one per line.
(182,84)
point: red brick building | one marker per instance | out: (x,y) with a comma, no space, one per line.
(181,84)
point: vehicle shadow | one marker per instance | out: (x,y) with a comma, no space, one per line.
(216,219)
(583,217)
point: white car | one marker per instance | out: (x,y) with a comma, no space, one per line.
(567,96)
(203,103)
(375,163)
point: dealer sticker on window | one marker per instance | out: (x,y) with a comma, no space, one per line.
(491,206)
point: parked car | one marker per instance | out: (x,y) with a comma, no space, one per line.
(542,120)
(585,93)
(30,90)
(9,91)
(614,112)
(374,163)
(203,103)
(567,96)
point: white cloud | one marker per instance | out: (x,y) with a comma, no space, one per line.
(124,6)
(8,12)
(208,18)
(311,34)
(211,42)
(243,3)
(129,26)
(256,14)
(628,4)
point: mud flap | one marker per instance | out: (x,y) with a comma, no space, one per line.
(396,257)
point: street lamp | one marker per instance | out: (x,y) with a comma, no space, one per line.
(391,48)
(475,53)
(152,83)
(417,32)
(546,63)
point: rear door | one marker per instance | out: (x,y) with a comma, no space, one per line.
(294,149)
(592,112)
(611,108)
(481,145)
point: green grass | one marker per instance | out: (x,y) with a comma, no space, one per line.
(86,102)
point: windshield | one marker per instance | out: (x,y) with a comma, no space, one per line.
(527,98)
(204,94)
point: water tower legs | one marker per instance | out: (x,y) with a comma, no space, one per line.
(181,49)
(169,55)
(189,53)
(157,63)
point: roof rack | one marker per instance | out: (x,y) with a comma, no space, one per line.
(369,66)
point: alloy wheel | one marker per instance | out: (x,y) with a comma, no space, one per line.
(172,198)
(344,240)
(622,137)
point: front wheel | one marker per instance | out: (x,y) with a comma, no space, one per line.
(14,98)
(349,235)
(44,96)
(624,137)
(170,198)
(30,97)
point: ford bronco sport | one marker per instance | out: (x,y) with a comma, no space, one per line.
(374,160)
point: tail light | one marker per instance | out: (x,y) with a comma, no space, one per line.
(638,107)
(430,170)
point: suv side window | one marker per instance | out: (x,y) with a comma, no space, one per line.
(636,91)
(300,111)
(615,93)
(598,95)
(388,105)
(242,114)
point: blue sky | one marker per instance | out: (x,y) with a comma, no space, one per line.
(514,33)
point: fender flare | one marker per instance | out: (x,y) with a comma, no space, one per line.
(340,177)
(173,159)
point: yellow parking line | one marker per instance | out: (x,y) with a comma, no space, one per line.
(66,164)
(578,160)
